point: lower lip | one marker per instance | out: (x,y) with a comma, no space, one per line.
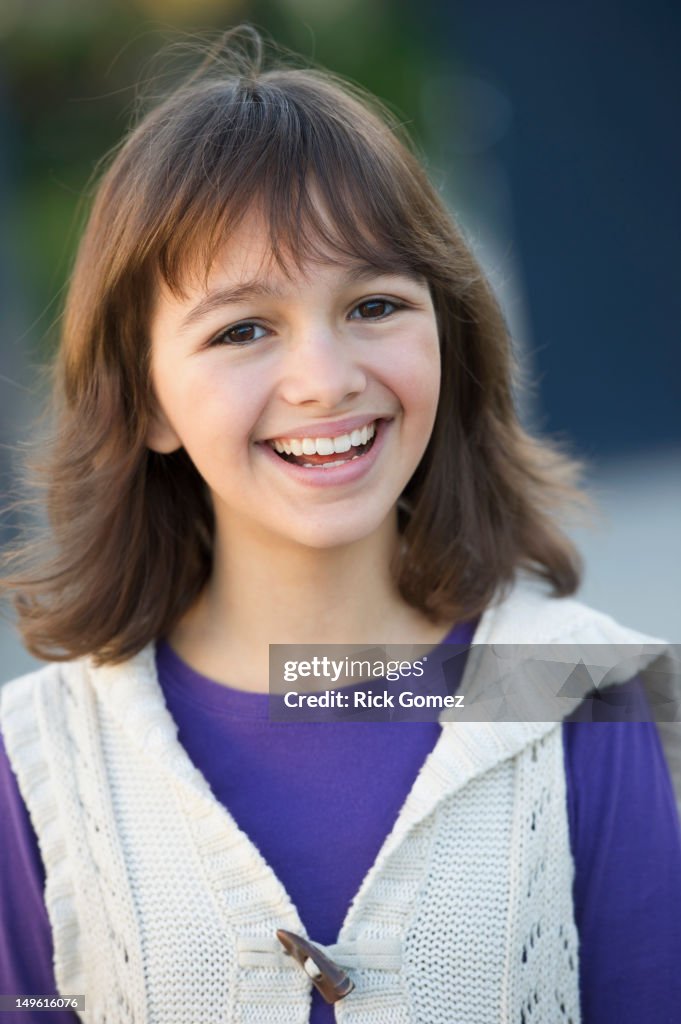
(355,469)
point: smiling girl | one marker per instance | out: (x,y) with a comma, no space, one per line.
(284,415)
(314,416)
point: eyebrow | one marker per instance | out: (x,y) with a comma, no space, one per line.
(259,288)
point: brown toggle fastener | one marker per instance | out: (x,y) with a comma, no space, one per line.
(327,977)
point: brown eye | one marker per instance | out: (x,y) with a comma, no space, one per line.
(245,332)
(373,309)
(240,334)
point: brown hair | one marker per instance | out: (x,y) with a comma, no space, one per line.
(131,531)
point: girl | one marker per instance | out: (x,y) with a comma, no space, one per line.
(284,416)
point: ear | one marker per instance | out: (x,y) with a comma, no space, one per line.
(161,436)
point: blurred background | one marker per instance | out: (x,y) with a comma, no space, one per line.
(552,131)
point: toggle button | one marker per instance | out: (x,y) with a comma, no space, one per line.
(327,977)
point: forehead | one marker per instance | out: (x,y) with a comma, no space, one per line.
(246,253)
(267,232)
(252,259)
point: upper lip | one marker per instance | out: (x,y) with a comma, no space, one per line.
(334,429)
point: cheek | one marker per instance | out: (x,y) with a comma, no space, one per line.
(414,373)
(209,402)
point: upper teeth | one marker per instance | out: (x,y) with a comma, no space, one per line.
(324,445)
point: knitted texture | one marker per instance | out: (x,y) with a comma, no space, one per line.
(163,911)
(480,893)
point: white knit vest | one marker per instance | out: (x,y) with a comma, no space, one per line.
(163,911)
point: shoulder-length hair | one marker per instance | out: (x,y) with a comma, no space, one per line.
(131,531)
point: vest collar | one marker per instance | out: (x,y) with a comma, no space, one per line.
(465,749)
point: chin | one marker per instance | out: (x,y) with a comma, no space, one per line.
(327,534)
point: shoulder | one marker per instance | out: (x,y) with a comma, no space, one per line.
(38,677)
(76,678)
(22,714)
(18,696)
(55,714)
(527,613)
(527,618)
(35,709)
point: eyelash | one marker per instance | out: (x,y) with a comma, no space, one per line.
(223,337)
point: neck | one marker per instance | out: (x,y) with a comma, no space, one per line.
(262,593)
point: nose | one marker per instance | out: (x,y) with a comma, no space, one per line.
(322,367)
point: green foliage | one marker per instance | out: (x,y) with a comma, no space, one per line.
(72,87)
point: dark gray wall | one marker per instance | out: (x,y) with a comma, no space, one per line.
(592,160)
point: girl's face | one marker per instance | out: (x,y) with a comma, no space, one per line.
(336,368)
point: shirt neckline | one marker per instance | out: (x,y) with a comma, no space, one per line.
(186,683)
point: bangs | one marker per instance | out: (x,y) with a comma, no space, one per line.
(329,179)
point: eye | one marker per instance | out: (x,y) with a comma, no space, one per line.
(374,309)
(240,334)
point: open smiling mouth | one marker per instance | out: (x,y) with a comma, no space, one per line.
(313,453)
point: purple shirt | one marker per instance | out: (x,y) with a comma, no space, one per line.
(624,834)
